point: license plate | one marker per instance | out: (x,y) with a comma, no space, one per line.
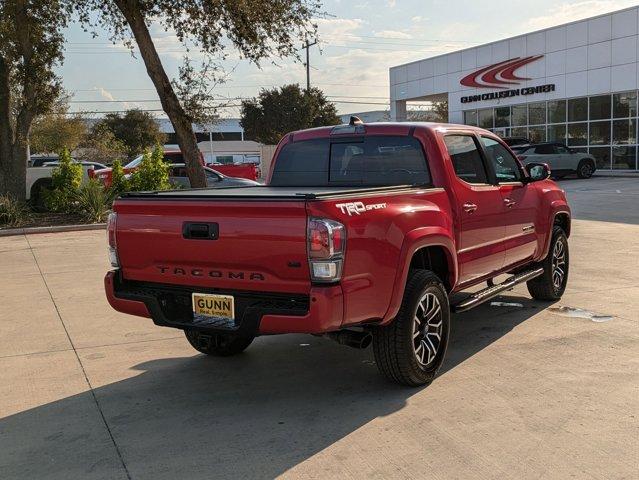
(206,305)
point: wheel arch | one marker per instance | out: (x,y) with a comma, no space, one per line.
(563,220)
(38,185)
(430,248)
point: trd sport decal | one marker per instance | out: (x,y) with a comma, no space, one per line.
(357,208)
(498,75)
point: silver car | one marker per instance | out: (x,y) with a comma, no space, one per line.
(179,178)
(561,159)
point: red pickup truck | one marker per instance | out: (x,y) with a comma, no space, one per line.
(362,234)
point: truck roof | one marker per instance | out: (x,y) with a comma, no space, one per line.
(379,128)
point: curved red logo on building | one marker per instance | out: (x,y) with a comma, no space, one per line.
(498,75)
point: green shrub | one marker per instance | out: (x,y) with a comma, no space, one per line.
(66,180)
(119,182)
(152,173)
(94,201)
(13,213)
(68,175)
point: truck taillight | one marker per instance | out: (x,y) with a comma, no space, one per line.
(326,244)
(113,248)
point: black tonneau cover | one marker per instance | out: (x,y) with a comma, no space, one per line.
(263,192)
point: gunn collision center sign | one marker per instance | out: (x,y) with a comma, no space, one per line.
(502,75)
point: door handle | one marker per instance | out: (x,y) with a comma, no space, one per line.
(200,231)
(509,202)
(469,207)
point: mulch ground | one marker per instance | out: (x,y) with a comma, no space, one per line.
(48,219)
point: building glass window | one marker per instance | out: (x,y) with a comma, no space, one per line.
(485,118)
(624,158)
(557,133)
(557,111)
(624,131)
(470,117)
(600,107)
(577,134)
(519,115)
(605,125)
(519,132)
(502,117)
(599,133)
(602,156)
(537,113)
(537,134)
(624,105)
(577,109)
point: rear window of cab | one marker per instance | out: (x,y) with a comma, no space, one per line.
(354,161)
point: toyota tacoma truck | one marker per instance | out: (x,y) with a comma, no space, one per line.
(362,233)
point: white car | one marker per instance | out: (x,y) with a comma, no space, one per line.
(561,159)
(40,177)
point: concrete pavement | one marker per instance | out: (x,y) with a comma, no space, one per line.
(88,393)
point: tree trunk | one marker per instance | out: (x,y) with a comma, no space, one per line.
(13,147)
(168,98)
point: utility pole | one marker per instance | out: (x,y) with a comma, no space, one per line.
(308,65)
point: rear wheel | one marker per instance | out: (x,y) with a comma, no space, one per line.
(411,349)
(551,284)
(220,345)
(585,169)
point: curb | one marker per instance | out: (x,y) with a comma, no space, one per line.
(617,175)
(53,229)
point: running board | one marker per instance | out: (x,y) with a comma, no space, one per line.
(480,297)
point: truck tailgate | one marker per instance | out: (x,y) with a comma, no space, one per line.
(260,245)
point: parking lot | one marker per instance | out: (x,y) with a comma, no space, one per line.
(527,391)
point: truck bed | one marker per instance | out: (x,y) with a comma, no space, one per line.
(264,192)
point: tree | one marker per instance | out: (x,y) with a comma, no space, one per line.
(100,145)
(441,111)
(136,130)
(30,47)
(257,28)
(278,111)
(56,130)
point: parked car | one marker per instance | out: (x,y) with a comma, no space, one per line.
(358,235)
(561,159)
(175,157)
(179,178)
(249,171)
(40,177)
(514,141)
(171,157)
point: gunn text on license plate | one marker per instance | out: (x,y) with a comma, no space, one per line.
(213,306)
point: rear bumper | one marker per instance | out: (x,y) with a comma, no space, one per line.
(256,312)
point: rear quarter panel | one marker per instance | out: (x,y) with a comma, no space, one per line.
(377,240)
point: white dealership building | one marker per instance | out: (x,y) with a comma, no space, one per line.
(576,84)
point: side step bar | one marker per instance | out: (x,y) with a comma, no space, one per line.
(480,297)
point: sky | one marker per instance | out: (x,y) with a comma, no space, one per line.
(358,42)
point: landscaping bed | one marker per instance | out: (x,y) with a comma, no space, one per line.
(48,219)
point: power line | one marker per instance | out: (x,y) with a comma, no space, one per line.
(219,106)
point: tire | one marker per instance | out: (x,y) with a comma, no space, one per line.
(37,194)
(551,284)
(219,345)
(585,169)
(403,357)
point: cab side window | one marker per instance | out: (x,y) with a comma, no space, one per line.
(466,158)
(505,165)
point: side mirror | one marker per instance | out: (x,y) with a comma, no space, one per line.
(537,171)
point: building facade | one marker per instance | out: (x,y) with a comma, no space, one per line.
(576,83)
